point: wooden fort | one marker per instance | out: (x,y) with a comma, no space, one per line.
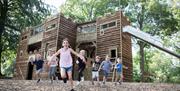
(99,37)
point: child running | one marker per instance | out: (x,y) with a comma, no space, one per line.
(66,61)
(52,62)
(95,67)
(106,66)
(39,66)
(118,68)
(82,65)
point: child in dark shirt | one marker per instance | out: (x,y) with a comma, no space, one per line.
(39,66)
(81,66)
(95,67)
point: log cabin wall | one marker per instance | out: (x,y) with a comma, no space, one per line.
(49,40)
(127,52)
(21,59)
(67,29)
(50,35)
(109,40)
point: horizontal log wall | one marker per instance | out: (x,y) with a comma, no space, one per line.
(127,52)
(67,29)
(112,38)
(22,56)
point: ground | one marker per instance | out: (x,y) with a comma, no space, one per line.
(45,85)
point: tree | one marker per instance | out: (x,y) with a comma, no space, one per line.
(15,15)
(153,17)
(87,10)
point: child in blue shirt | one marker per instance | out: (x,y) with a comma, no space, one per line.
(106,66)
(118,68)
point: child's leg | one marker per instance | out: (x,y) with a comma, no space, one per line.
(53,72)
(63,74)
(93,77)
(121,77)
(38,75)
(81,78)
(118,76)
(97,76)
(79,75)
(50,72)
(104,77)
(70,78)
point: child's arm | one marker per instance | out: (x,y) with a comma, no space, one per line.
(93,65)
(57,53)
(115,66)
(76,54)
(125,67)
(100,66)
(85,60)
(56,61)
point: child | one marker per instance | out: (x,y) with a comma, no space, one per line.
(106,67)
(39,66)
(52,62)
(95,67)
(82,65)
(66,61)
(118,67)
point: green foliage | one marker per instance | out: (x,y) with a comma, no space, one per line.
(87,10)
(15,15)
(8,63)
(160,66)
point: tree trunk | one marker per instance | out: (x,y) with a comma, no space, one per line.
(3,18)
(142,45)
(1,44)
(0,47)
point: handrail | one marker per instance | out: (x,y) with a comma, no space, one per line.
(21,72)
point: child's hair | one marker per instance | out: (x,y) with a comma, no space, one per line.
(66,39)
(107,55)
(98,57)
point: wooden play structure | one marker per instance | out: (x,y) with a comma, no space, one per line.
(99,37)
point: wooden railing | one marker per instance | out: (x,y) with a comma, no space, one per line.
(21,73)
(83,37)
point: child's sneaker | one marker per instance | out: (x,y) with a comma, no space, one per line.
(72,90)
(92,82)
(78,82)
(51,81)
(103,82)
(115,83)
(120,82)
(38,80)
(65,80)
(82,78)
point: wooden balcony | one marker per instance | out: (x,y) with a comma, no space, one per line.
(86,37)
(35,38)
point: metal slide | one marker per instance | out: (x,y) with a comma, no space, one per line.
(148,38)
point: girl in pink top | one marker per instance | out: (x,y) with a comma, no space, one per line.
(66,61)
